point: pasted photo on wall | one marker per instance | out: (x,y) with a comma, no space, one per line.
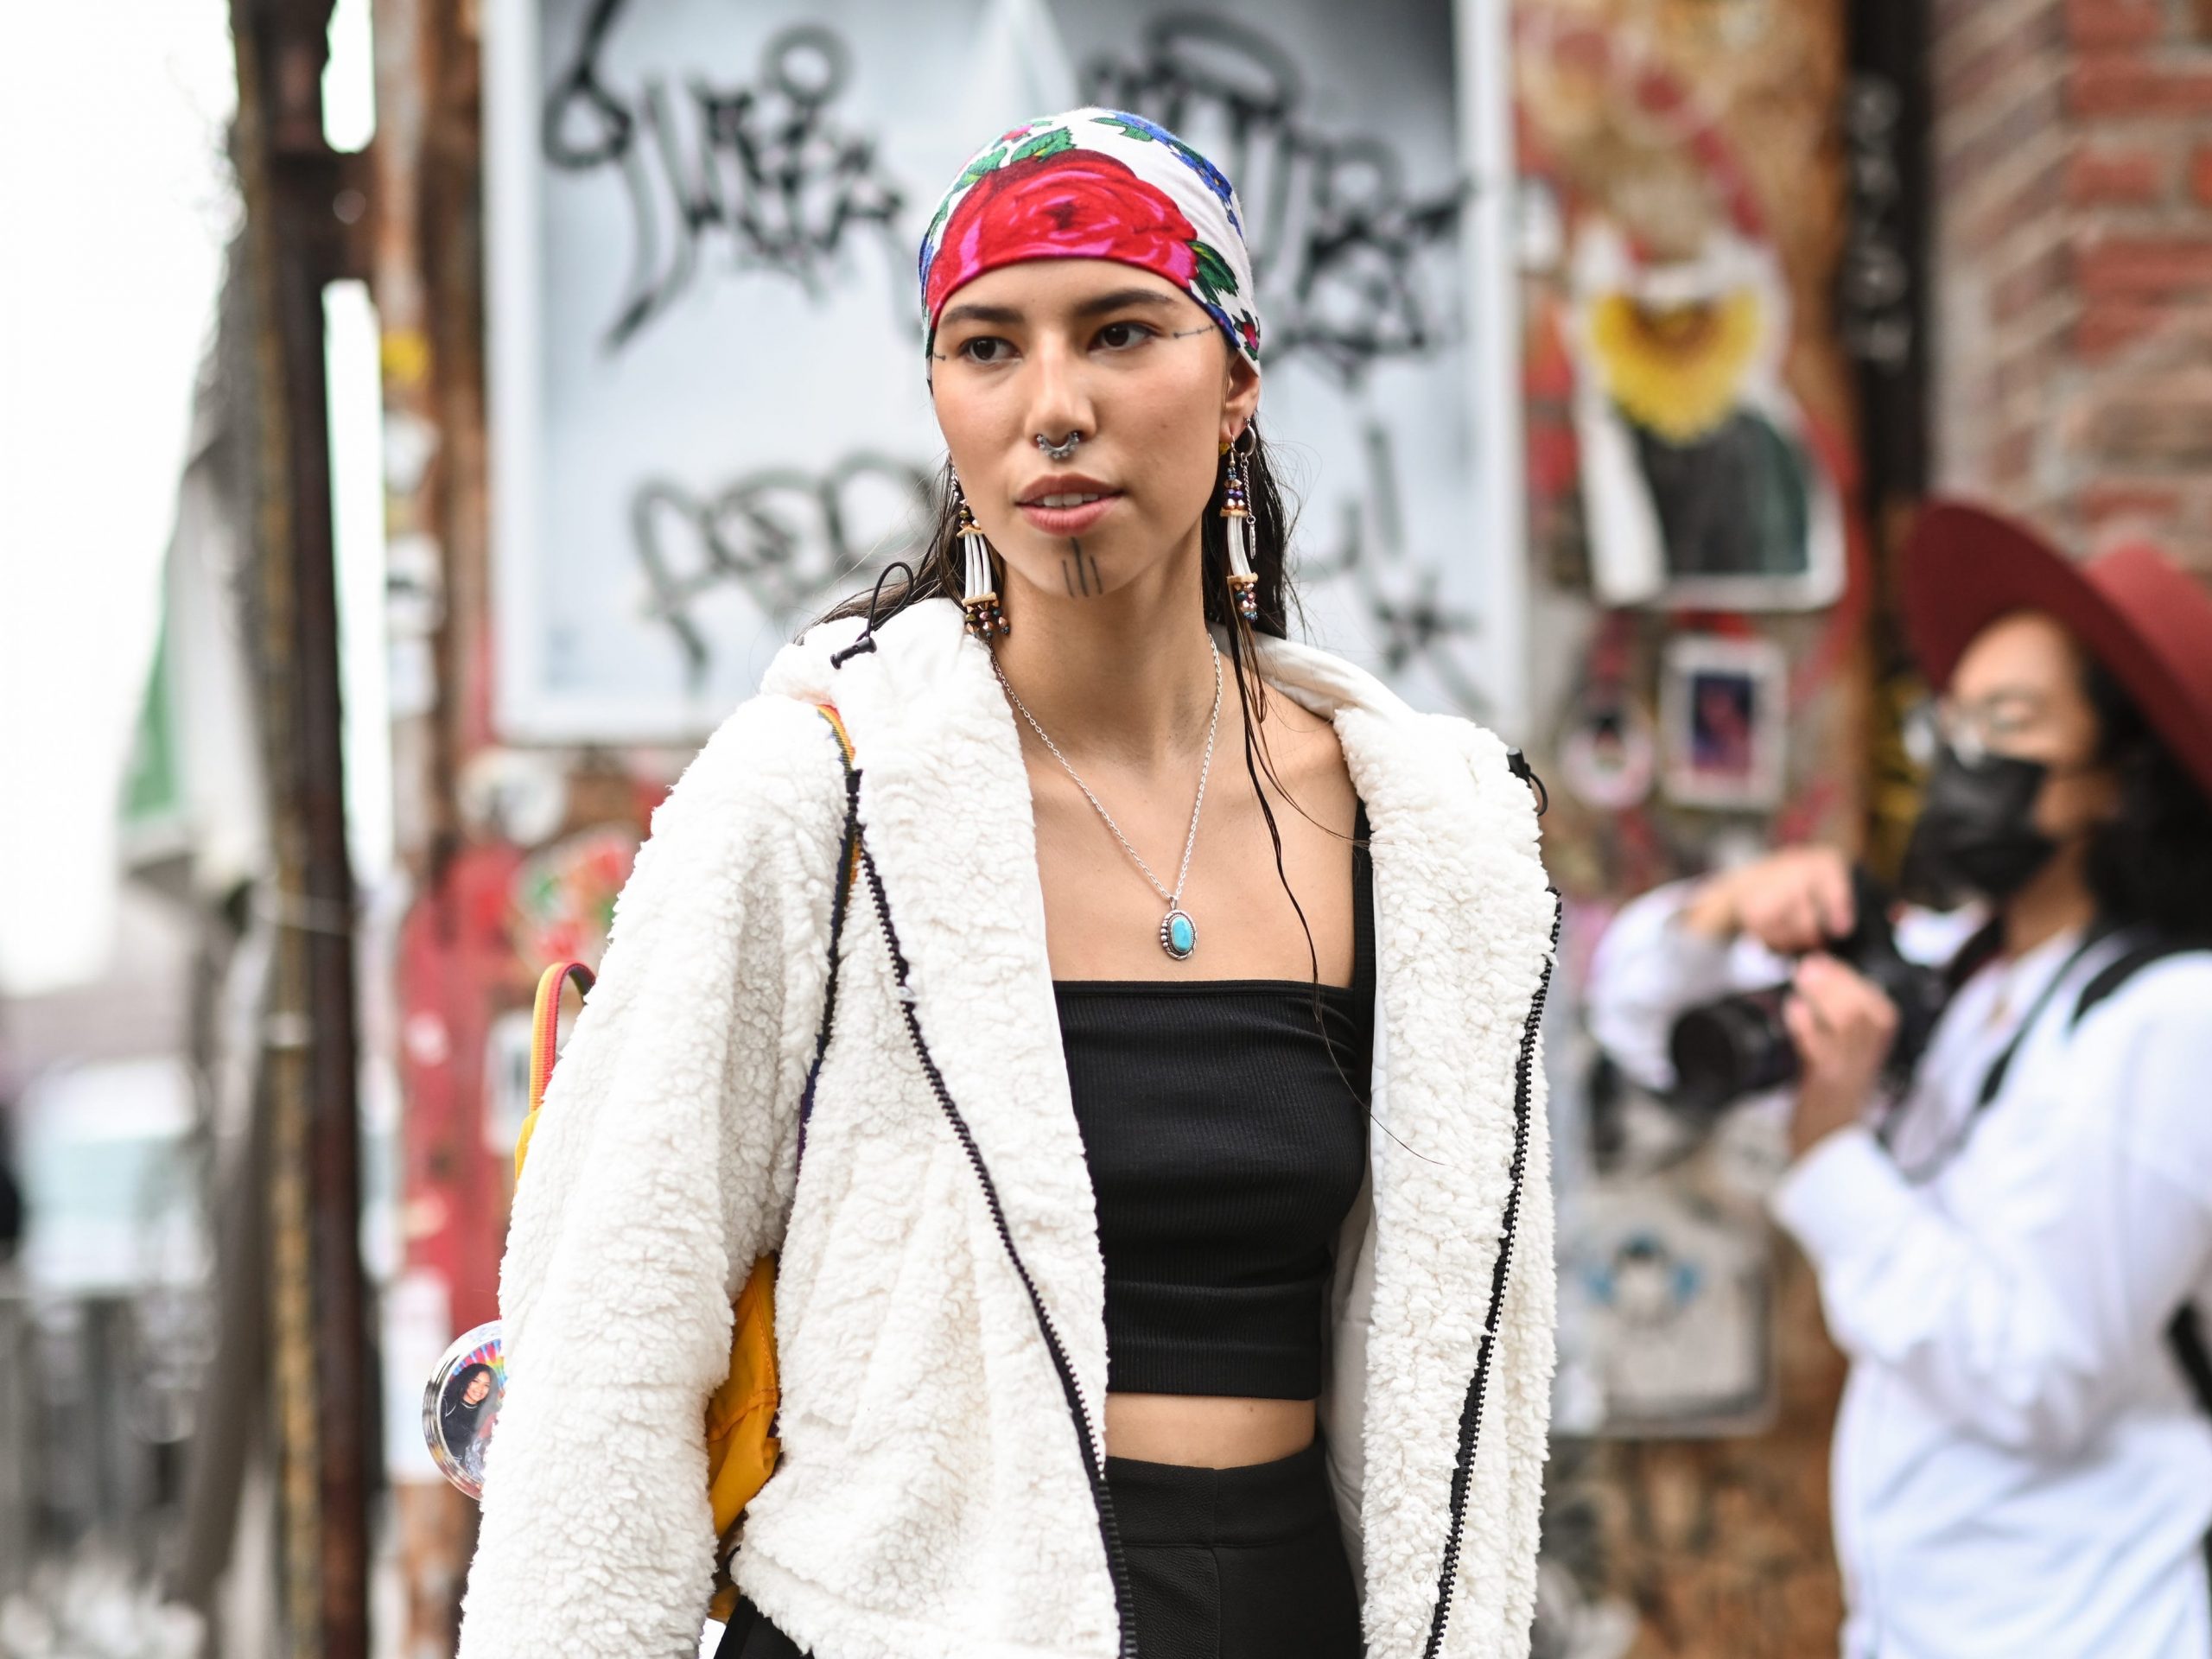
(1722,704)
(1699,480)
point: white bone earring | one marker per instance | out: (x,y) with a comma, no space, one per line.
(977,597)
(1236,514)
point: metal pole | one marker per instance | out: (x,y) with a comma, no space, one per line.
(1482,44)
(1884,306)
(290,179)
(1886,277)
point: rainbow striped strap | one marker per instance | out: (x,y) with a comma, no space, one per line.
(828,712)
(545,1022)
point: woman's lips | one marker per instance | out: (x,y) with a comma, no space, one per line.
(1064,520)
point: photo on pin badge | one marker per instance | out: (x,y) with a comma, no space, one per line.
(461,1404)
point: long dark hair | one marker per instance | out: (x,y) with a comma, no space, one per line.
(937,575)
(2152,862)
(455,1403)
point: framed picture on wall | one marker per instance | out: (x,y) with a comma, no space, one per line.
(1723,703)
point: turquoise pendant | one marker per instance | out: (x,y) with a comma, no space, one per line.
(1179,934)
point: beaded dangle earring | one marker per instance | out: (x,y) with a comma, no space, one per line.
(977,596)
(1236,511)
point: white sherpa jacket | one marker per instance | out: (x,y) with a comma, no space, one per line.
(937,1493)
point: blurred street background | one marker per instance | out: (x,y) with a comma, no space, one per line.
(423,419)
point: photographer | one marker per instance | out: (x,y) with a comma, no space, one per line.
(2012,1238)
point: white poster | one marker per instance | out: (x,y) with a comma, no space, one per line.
(708,412)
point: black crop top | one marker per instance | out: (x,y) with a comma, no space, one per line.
(1226,1149)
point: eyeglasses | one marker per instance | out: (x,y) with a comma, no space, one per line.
(1971,731)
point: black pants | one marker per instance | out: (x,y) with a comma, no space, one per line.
(1225,1564)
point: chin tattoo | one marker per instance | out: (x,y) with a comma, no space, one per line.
(1080,572)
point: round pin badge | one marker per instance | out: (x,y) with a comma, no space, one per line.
(1608,756)
(461,1402)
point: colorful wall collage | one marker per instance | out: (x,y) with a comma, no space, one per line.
(1700,587)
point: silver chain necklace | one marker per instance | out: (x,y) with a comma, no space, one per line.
(1179,934)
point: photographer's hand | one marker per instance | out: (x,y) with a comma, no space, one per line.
(1793,900)
(1843,1026)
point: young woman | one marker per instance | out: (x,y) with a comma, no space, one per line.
(467,1415)
(2016,1252)
(1169,1265)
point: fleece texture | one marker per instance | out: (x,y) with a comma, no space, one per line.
(931,1500)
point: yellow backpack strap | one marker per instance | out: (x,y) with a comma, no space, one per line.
(545,1042)
(741,1442)
(852,854)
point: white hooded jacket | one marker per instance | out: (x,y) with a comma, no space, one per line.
(933,1499)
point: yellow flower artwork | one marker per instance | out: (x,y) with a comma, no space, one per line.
(1676,369)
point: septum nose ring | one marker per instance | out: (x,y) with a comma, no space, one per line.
(1063,449)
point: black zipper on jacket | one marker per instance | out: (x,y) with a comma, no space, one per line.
(840,902)
(1470,1412)
(1109,1532)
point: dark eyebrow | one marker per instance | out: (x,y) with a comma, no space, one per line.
(998,314)
(1124,297)
(1007,315)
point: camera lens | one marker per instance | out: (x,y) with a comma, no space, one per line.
(1733,1047)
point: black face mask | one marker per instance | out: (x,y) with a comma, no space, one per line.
(1976,834)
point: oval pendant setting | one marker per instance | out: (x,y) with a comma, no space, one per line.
(1179,934)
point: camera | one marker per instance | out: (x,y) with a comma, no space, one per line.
(1738,1045)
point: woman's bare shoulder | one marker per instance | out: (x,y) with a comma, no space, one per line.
(1302,747)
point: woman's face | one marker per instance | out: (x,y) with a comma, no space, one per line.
(2018,690)
(480,1384)
(1123,357)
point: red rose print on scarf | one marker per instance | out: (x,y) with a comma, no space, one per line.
(1073,204)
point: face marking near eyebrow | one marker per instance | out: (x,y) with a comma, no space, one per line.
(1185,333)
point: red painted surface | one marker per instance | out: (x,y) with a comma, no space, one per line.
(458,972)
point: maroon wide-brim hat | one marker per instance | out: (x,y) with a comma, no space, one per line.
(2145,620)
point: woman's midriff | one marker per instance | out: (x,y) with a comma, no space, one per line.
(1207,1431)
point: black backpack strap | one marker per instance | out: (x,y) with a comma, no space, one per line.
(2185,1338)
(2185,1330)
(1994,1080)
(2154,948)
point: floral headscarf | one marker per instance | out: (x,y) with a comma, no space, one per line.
(1096,184)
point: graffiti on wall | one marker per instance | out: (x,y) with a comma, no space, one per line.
(712,290)
(764,166)
(1341,248)
(791,539)
(1356,245)
(1411,620)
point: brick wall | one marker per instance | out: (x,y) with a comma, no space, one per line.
(2074,265)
